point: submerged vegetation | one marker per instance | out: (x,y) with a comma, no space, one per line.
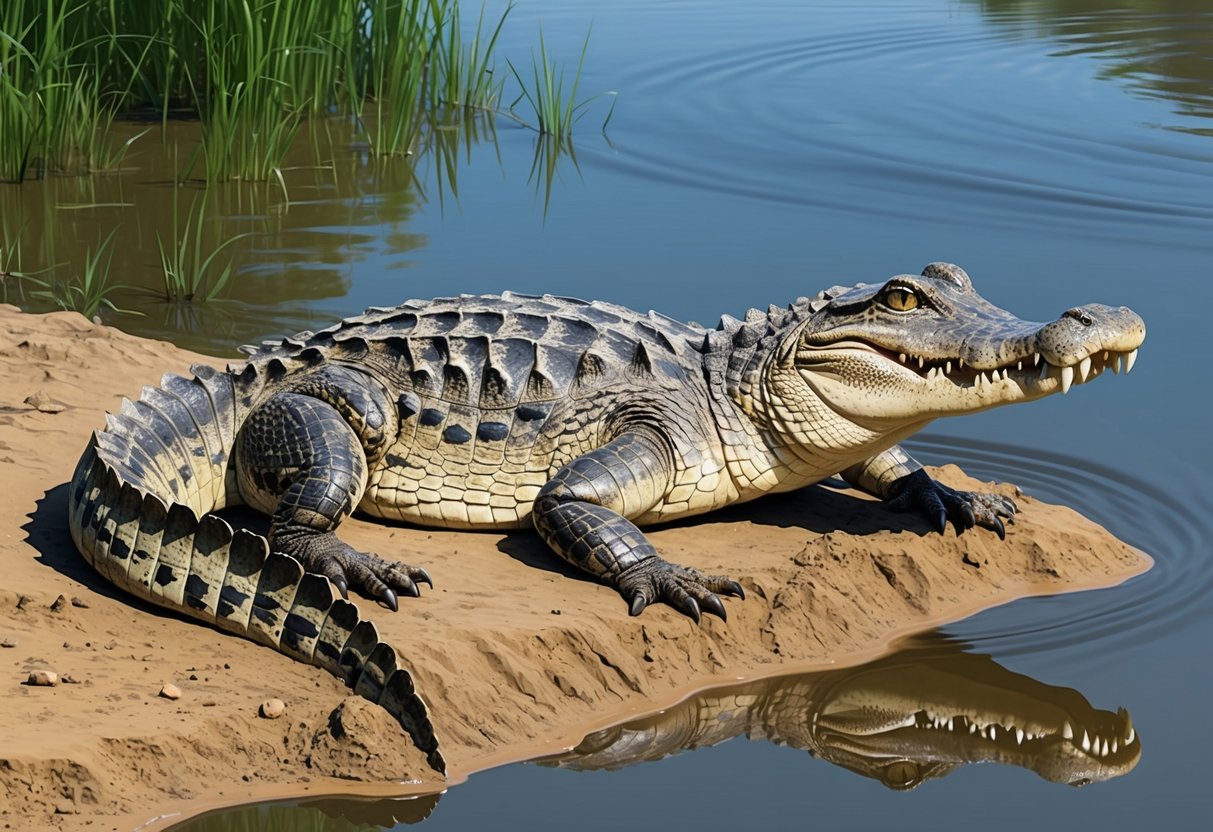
(81,81)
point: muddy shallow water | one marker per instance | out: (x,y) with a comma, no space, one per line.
(1062,152)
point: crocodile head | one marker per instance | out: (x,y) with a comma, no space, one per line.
(905,722)
(884,359)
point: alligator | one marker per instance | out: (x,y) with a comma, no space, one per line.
(582,420)
(919,714)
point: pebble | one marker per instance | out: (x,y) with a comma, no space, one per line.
(59,604)
(170,691)
(272,708)
(8,641)
(79,602)
(42,401)
(43,678)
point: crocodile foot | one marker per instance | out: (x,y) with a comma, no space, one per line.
(687,590)
(370,575)
(941,504)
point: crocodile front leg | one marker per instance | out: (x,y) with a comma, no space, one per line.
(899,480)
(583,513)
(299,459)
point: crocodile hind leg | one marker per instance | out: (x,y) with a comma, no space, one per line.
(583,513)
(299,460)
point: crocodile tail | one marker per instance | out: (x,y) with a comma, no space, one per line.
(139,509)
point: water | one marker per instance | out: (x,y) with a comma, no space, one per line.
(1059,151)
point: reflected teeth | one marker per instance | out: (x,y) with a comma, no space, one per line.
(1019,735)
(1086,742)
(1067,731)
(1129,737)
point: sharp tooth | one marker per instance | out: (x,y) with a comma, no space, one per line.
(1067,378)
(921,361)
(1067,731)
(1035,359)
(1019,365)
(1116,365)
(1115,746)
(952,724)
(1129,737)
(972,728)
(1130,360)
(1105,355)
(902,356)
(1019,735)
(960,362)
(1103,749)
(1086,742)
(991,732)
(948,368)
(1084,369)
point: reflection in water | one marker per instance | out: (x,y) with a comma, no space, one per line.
(919,714)
(330,814)
(303,237)
(1159,47)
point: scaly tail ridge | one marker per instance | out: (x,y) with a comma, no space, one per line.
(139,512)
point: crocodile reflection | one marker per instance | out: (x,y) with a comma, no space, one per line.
(905,719)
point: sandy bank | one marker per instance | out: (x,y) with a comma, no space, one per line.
(512,650)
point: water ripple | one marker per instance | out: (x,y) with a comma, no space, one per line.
(1163,522)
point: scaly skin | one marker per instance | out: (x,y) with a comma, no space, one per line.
(586,421)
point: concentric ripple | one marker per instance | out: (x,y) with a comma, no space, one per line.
(929,111)
(1172,526)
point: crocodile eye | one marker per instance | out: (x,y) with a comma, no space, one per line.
(900,299)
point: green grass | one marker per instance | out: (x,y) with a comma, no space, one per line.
(251,70)
(551,93)
(189,269)
(87,291)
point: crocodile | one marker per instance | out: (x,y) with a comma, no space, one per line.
(914,716)
(583,420)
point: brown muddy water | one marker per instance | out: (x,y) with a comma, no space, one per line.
(1061,151)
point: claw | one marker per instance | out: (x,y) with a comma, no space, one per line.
(407,587)
(941,521)
(691,608)
(638,604)
(342,585)
(388,599)
(421,576)
(713,605)
(733,588)
(999,528)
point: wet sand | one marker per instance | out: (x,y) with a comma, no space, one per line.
(514,652)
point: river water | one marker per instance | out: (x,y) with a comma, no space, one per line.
(1061,151)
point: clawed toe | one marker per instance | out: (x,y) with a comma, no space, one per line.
(686,590)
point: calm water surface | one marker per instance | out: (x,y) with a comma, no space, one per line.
(1062,152)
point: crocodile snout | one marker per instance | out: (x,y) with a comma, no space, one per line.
(1086,330)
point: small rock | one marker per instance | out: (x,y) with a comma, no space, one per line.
(22,601)
(69,680)
(555,612)
(79,602)
(65,808)
(170,691)
(272,708)
(42,678)
(193,677)
(8,641)
(41,401)
(59,604)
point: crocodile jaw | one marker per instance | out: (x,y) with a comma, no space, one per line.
(896,387)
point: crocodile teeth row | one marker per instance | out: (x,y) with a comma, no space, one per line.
(1085,369)
(1091,744)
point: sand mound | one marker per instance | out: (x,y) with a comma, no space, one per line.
(512,650)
